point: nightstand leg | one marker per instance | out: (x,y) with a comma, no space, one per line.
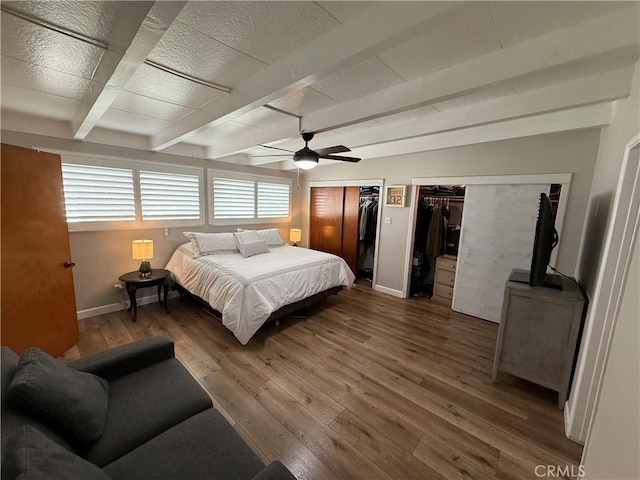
(166,293)
(133,306)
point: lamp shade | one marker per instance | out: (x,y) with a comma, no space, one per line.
(142,249)
(295,235)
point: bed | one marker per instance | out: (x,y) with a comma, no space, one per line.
(249,291)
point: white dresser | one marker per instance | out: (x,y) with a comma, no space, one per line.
(445,278)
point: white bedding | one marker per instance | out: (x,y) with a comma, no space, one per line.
(247,290)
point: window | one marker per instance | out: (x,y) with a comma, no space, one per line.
(103,194)
(239,198)
(273,200)
(98,194)
(233,198)
(169,196)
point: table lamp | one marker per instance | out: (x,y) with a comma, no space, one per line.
(143,250)
(295,235)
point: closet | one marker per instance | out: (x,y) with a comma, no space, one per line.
(344,221)
(436,241)
(469,237)
(367,229)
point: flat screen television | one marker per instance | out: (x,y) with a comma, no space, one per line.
(545,240)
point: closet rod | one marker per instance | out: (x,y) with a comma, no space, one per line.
(457,198)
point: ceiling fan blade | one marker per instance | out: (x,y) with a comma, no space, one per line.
(275,148)
(283,155)
(329,150)
(339,157)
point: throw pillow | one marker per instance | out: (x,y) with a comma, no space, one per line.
(30,455)
(210,243)
(73,401)
(249,249)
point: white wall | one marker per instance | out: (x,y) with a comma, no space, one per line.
(624,126)
(613,139)
(611,450)
(101,257)
(569,152)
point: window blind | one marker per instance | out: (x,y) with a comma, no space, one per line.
(169,196)
(98,194)
(273,200)
(233,198)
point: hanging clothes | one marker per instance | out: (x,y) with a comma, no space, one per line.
(367,227)
(435,235)
(368,220)
(372,223)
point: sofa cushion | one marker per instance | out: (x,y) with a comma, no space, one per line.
(204,446)
(13,417)
(125,359)
(30,455)
(144,404)
(75,402)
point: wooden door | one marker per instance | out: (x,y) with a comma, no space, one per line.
(350,227)
(38,300)
(326,219)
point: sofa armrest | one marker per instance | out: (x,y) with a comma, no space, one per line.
(120,361)
(274,471)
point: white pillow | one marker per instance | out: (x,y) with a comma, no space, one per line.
(271,235)
(249,249)
(245,236)
(208,243)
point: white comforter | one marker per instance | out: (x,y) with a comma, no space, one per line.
(247,290)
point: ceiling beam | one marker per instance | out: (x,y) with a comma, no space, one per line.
(139,27)
(572,119)
(377,29)
(601,88)
(610,33)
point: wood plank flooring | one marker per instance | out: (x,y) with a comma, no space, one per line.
(367,387)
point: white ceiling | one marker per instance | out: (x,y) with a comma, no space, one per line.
(379,77)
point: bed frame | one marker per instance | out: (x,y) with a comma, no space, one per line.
(275,316)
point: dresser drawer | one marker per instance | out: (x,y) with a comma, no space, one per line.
(446,263)
(444,291)
(445,278)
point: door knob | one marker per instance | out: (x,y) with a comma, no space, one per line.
(69,264)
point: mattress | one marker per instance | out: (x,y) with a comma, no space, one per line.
(248,290)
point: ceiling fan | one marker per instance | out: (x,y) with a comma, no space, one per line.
(306,158)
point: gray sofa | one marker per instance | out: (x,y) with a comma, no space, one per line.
(159,423)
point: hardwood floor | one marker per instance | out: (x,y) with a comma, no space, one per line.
(369,386)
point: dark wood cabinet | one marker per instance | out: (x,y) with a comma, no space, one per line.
(334,222)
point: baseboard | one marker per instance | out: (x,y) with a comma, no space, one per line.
(569,427)
(388,291)
(114,307)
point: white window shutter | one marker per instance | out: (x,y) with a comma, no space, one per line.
(273,200)
(169,196)
(233,198)
(98,194)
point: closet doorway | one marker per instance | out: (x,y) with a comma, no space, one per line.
(345,220)
(496,235)
(436,240)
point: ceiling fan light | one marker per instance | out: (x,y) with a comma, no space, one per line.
(305,159)
(306,163)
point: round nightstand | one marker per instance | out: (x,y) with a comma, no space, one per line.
(133,282)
